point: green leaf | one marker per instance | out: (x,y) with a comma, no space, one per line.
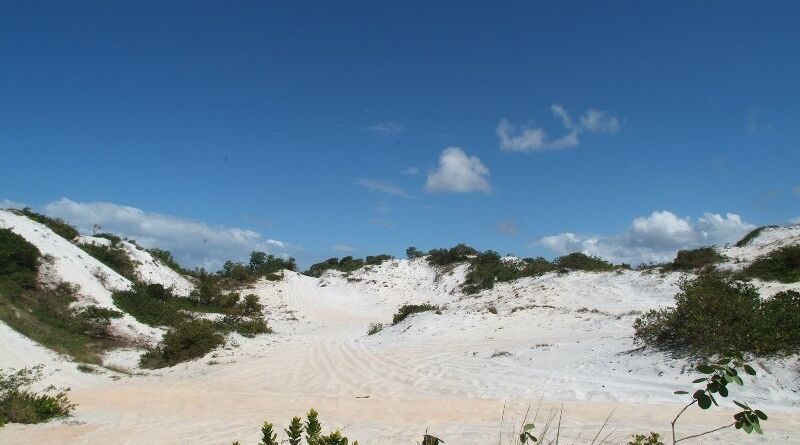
(697,394)
(704,402)
(761,414)
(680,393)
(748,428)
(705,369)
(738,380)
(741,405)
(528,427)
(723,391)
(724,361)
(757,428)
(749,369)
(701,379)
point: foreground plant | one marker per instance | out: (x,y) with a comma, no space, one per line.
(18,404)
(720,375)
(313,430)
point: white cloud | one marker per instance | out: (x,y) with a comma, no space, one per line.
(411,171)
(654,238)
(599,121)
(383,187)
(343,248)
(535,138)
(193,243)
(458,172)
(8,204)
(386,128)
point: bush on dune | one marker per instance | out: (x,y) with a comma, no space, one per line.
(18,404)
(781,265)
(715,314)
(57,225)
(581,261)
(687,260)
(408,309)
(114,256)
(190,340)
(43,313)
(753,234)
(346,264)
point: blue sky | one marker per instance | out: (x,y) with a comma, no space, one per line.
(300,122)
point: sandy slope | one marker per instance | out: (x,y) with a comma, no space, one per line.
(566,338)
(70,264)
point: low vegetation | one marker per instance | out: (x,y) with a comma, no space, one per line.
(19,404)
(189,340)
(446,257)
(714,313)
(44,313)
(581,261)
(408,309)
(346,264)
(311,428)
(780,265)
(114,255)
(260,265)
(753,234)
(57,225)
(687,260)
(374,328)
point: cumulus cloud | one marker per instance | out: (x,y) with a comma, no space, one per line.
(654,238)
(193,243)
(386,128)
(458,172)
(536,139)
(383,187)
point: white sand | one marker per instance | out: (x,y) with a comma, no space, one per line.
(566,338)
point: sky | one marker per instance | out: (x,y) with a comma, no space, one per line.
(622,129)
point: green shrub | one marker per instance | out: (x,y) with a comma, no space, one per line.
(346,264)
(57,225)
(18,404)
(153,305)
(167,259)
(412,253)
(374,328)
(377,259)
(19,261)
(580,261)
(189,340)
(404,311)
(114,256)
(780,265)
(695,259)
(641,439)
(43,314)
(714,314)
(752,235)
(488,267)
(445,257)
